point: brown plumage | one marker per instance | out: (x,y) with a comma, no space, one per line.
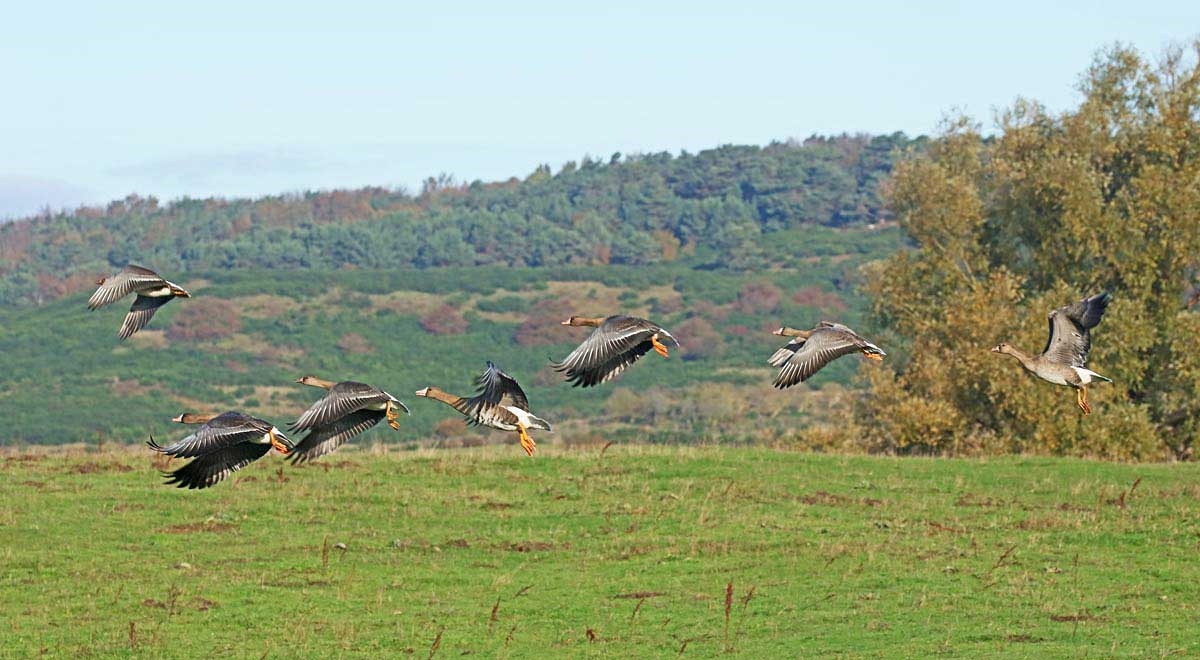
(152,292)
(615,344)
(1063,360)
(223,445)
(349,409)
(500,404)
(813,349)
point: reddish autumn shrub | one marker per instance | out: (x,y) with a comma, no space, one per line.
(445,320)
(352,342)
(758,297)
(543,324)
(699,339)
(204,319)
(812,296)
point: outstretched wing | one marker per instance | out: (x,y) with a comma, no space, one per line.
(610,349)
(341,400)
(800,359)
(1070,338)
(325,439)
(140,313)
(212,468)
(781,356)
(217,434)
(131,278)
(497,388)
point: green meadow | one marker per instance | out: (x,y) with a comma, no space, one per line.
(598,551)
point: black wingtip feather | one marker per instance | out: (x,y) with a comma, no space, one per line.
(1093,309)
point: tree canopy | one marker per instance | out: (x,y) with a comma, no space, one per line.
(723,207)
(1053,207)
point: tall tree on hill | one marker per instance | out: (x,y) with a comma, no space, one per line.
(1054,207)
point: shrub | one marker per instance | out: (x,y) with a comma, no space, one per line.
(444,320)
(543,324)
(352,342)
(204,319)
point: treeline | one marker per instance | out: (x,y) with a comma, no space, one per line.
(728,207)
(1054,207)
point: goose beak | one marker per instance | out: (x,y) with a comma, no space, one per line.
(299,380)
(177,418)
(424,391)
(567,322)
(995,349)
(778,332)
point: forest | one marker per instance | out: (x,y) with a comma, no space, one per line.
(726,208)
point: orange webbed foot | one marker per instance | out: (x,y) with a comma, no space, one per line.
(1081,398)
(658,347)
(393,418)
(527,442)
(873,356)
(279,446)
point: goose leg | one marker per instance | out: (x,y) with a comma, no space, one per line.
(279,446)
(1081,398)
(527,442)
(658,347)
(873,356)
(391,417)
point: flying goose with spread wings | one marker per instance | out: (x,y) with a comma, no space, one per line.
(152,292)
(810,350)
(348,409)
(224,444)
(1063,360)
(499,404)
(615,344)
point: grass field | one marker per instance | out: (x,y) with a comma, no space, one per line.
(642,551)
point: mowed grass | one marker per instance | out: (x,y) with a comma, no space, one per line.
(633,551)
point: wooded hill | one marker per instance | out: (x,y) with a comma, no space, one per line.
(729,207)
(405,291)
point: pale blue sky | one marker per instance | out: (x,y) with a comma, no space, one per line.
(246,98)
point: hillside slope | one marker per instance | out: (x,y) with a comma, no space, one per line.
(407,291)
(723,208)
(246,335)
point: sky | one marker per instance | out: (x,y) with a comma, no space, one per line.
(100,100)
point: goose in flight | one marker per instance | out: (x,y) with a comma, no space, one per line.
(347,410)
(152,292)
(1063,360)
(500,404)
(224,444)
(615,344)
(810,350)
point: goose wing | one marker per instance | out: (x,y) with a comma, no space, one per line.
(221,432)
(610,349)
(131,278)
(140,313)
(322,440)
(802,358)
(497,388)
(212,468)
(1070,338)
(341,400)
